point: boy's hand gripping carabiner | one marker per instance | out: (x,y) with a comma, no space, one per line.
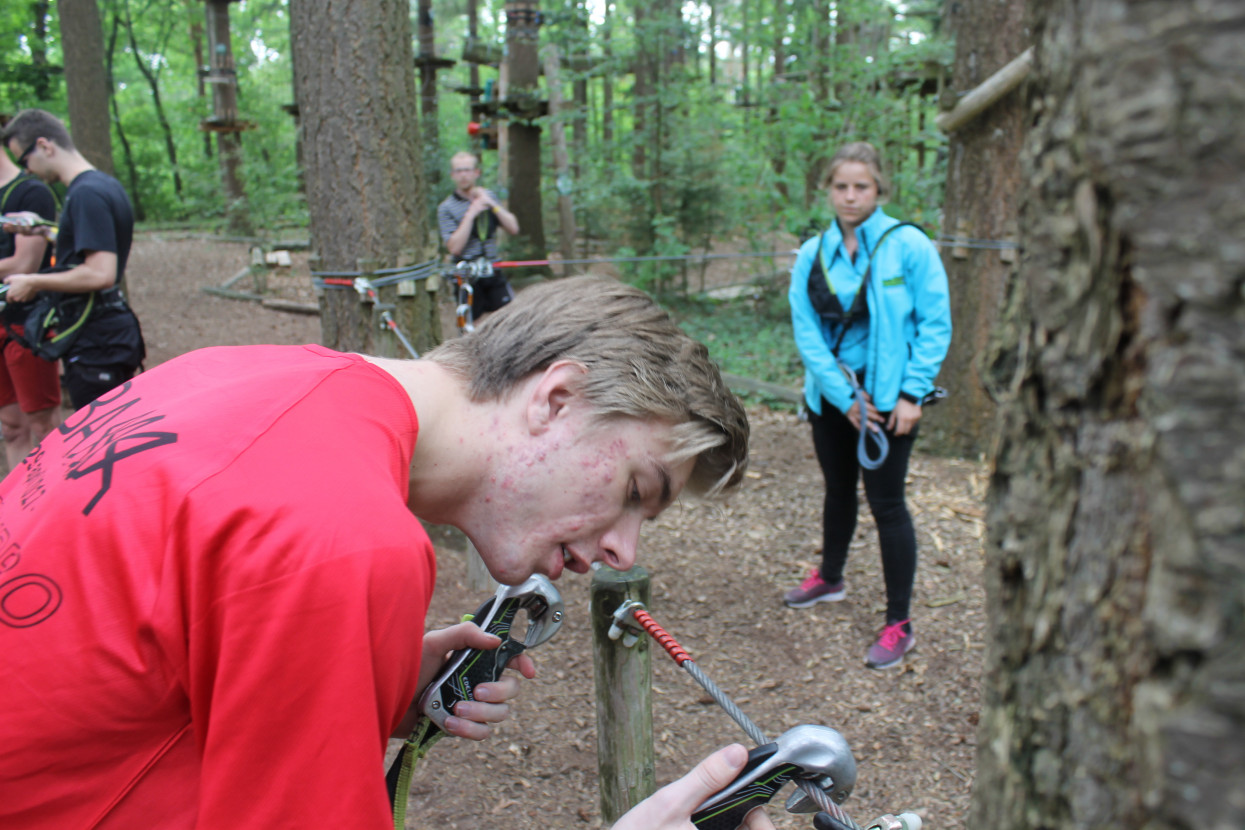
(815,753)
(468,668)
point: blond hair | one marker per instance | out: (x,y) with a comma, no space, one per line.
(639,363)
(861,152)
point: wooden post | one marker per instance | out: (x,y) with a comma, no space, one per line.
(624,690)
(990,90)
(478,577)
(561,163)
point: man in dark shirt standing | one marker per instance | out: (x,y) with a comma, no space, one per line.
(468,221)
(30,389)
(92,246)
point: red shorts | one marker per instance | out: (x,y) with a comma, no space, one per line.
(31,382)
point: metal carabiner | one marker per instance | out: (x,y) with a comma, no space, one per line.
(810,752)
(468,668)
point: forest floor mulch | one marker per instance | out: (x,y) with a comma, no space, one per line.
(718,573)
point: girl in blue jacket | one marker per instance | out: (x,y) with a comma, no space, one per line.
(872,359)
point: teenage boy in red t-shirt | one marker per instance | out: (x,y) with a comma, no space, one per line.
(214,582)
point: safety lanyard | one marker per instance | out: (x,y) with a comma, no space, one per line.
(867,431)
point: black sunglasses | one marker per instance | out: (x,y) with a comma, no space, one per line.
(21,160)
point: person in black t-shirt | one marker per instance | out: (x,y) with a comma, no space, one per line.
(92,246)
(30,390)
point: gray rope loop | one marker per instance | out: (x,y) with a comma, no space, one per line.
(867,431)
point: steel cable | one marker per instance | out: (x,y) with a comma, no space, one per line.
(684,660)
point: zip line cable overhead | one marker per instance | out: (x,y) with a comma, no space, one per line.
(389,276)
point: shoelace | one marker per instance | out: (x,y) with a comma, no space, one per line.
(811,581)
(891,635)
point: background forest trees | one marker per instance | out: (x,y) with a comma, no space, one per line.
(687,122)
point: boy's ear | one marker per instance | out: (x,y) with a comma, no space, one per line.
(554,394)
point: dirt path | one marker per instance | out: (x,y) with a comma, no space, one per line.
(718,573)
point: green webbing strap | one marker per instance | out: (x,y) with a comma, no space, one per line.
(25,177)
(413,749)
(21,177)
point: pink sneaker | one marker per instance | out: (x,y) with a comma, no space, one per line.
(813,590)
(893,643)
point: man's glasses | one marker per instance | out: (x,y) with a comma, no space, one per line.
(21,160)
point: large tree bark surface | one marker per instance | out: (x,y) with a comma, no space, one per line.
(522,130)
(355,89)
(1115,688)
(86,82)
(982,202)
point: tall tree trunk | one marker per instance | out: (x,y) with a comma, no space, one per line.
(429,131)
(473,71)
(779,24)
(778,159)
(1115,686)
(607,81)
(982,202)
(579,118)
(713,43)
(153,81)
(744,35)
(38,44)
(86,82)
(225,121)
(523,62)
(365,187)
(561,163)
(196,40)
(135,192)
(644,71)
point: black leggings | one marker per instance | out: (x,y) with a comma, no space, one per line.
(834,439)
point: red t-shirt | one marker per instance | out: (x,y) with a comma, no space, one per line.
(212,598)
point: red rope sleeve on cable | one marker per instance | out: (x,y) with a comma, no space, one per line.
(338,281)
(659,634)
(519,263)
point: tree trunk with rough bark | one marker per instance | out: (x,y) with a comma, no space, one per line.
(38,45)
(523,132)
(131,168)
(86,82)
(982,203)
(1115,684)
(365,188)
(428,122)
(226,123)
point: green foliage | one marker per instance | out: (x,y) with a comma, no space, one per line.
(750,336)
(161,31)
(686,164)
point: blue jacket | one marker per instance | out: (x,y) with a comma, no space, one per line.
(909,315)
